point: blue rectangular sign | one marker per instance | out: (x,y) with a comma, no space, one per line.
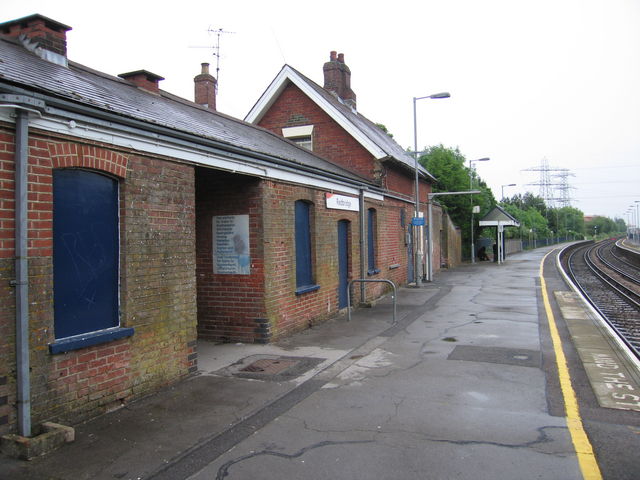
(417,221)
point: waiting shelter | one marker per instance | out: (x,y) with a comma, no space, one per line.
(499,218)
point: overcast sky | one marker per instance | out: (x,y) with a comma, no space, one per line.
(529,80)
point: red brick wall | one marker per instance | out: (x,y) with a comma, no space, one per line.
(157,277)
(289,312)
(404,183)
(330,141)
(264,306)
(230,307)
(293,108)
(7,292)
(158,294)
(392,248)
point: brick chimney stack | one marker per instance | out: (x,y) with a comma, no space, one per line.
(337,79)
(205,88)
(43,36)
(143,79)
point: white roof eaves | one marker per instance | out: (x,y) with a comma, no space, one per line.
(495,223)
(280,82)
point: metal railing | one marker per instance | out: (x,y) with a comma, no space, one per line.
(367,280)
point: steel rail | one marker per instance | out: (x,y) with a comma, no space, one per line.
(621,331)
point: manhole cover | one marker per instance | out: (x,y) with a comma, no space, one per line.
(269,366)
(273,368)
(506,356)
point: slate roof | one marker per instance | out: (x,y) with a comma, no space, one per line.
(392,150)
(82,85)
(498,215)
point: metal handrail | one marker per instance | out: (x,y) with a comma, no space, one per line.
(364,280)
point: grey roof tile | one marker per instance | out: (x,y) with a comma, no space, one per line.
(83,85)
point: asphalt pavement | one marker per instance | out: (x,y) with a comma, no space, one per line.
(463,386)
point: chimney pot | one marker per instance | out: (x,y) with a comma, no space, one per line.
(205,88)
(337,79)
(143,79)
(51,36)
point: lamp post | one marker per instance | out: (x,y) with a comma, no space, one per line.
(637,216)
(471,172)
(417,246)
(508,185)
(633,221)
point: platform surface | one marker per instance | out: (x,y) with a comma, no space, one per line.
(464,386)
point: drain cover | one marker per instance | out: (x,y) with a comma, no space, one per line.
(269,366)
(272,368)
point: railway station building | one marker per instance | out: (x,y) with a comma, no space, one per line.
(134,222)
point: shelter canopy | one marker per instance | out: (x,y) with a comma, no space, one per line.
(498,217)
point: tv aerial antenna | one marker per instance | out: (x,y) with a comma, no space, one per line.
(218,32)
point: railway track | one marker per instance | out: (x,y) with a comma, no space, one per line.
(610,280)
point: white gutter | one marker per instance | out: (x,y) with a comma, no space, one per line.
(199,157)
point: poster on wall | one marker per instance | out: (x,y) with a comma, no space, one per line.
(231,253)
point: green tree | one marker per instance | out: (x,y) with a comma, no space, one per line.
(532,223)
(621,225)
(567,221)
(526,201)
(603,226)
(447,165)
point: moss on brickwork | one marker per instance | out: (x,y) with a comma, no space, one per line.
(160,296)
(157,295)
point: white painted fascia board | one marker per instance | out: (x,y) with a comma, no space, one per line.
(278,85)
(167,149)
(269,96)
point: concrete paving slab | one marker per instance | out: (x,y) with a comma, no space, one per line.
(613,377)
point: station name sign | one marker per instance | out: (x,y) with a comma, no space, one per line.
(342,202)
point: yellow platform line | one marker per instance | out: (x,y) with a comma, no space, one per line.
(584,450)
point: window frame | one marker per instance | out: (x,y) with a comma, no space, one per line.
(303,246)
(302,136)
(93,335)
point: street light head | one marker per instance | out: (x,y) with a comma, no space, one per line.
(483,159)
(440,95)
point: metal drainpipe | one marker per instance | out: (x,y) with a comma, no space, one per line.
(22,274)
(362,245)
